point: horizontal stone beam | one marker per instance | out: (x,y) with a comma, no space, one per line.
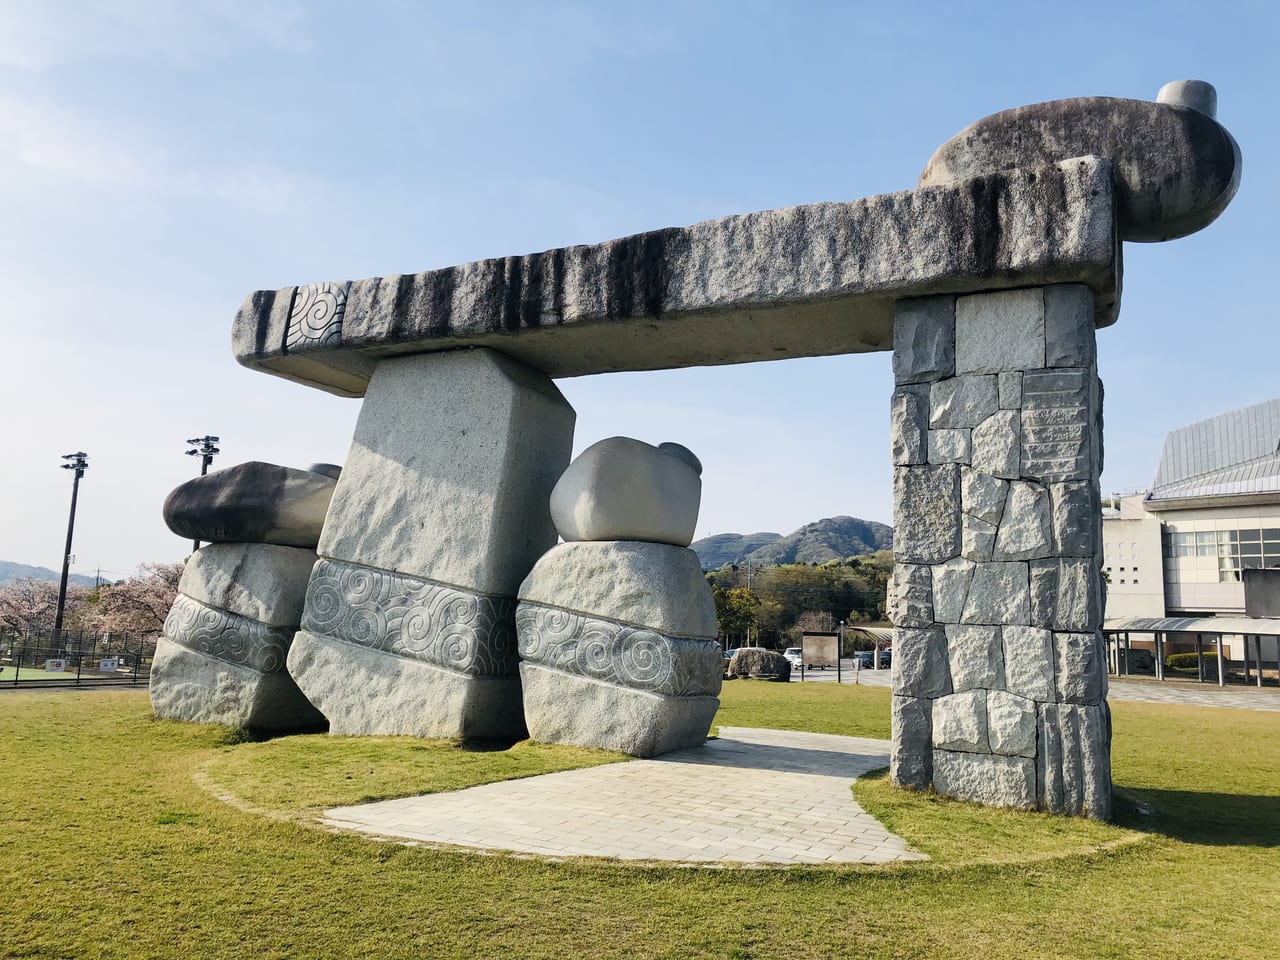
(814,280)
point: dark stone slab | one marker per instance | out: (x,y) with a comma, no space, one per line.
(251,502)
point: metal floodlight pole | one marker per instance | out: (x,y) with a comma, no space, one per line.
(78,462)
(205,448)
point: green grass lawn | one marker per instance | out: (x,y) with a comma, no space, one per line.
(114,843)
(35,673)
(69,675)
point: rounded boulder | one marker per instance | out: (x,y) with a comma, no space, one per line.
(625,489)
(757,663)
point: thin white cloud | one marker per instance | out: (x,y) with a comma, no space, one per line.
(52,144)
(43,34)
(46,146)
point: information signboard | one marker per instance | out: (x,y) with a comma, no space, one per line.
(819,649)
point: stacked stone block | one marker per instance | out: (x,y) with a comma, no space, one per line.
(617,625)
(409,622)
(999,678)
(222,655)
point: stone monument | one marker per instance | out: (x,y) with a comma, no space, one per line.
(986,281)
(617,625)
(221,657)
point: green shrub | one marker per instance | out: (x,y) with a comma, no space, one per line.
(1187,661)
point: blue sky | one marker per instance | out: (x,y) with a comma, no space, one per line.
(160,160)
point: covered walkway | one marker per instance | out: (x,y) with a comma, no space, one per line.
(1118,634)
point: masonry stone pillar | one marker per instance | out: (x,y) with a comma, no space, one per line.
(999,688)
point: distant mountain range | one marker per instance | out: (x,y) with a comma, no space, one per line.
(10,571)
(832,539)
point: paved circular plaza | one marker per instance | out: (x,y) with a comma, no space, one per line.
(757,797)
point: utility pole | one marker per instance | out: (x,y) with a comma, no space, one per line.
(751,568)
(839,650)
(205,449)
(79,462)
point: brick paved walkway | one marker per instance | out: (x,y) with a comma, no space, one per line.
(1236,696)
(752,796)
(1195,694)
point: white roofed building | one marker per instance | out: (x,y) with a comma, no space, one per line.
(1213,511)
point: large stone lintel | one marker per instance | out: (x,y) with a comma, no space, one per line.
(813,280)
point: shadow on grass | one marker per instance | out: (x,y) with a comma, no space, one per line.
(231,736)
(759,756)
(1210,819)
(487,746)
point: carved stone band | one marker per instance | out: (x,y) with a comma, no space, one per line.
(227,636)
(618,653)
(412,618)
(315,316)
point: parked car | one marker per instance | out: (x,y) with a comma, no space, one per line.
(793,655)
(866,658)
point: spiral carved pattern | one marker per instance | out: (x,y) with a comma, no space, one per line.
(227,636)
(618,653)
(316,316)
(412,618)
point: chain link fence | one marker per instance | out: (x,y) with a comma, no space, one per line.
(43,658)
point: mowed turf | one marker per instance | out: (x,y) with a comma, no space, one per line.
(114,843)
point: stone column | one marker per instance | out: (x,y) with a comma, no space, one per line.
(617,625)
(221,658)
(440,512)
(999,681)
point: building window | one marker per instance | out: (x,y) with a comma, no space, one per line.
(1179,545)
(1246,549)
